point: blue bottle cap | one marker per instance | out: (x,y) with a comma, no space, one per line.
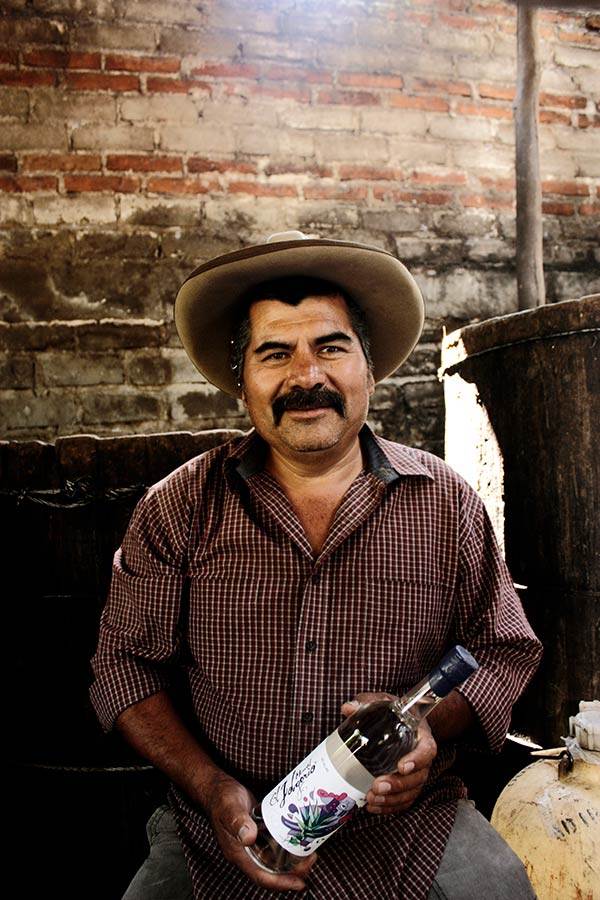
(454,668)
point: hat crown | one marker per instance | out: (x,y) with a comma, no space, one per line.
(286,236)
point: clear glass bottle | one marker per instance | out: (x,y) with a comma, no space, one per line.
(324,790)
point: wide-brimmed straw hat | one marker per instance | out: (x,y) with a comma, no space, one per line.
(209,303)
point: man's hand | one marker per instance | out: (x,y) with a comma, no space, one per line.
(398,791)
(155,729)
(230,814)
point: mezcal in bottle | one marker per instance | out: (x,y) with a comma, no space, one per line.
(324,790)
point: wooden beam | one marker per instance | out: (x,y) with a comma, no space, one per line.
(530,260)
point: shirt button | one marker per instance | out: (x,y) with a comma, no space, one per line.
(307,717)
(310,646)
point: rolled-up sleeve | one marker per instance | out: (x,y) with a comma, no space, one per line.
(139,637)
(492,624)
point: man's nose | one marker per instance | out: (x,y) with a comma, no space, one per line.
(306,370)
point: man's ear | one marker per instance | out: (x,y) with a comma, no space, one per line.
(243,399)
(371,384)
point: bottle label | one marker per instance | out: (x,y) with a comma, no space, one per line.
(312,802)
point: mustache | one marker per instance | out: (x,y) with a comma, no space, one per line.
(315,398)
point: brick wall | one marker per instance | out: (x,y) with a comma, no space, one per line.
(140,138)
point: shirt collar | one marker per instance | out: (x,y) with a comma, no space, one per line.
(384,459)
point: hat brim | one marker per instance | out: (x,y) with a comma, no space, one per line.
(208,304)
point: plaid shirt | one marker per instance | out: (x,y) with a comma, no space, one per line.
(216,582)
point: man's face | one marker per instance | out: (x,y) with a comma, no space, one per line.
(306,382)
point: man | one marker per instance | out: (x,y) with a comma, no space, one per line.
(266,587)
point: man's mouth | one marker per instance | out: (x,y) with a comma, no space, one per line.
(316,398)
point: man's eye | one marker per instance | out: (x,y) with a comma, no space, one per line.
(332,349)
(276,356)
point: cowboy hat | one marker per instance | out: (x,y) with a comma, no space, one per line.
(209,303)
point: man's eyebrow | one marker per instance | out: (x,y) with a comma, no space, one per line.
(334,336)
(324,339)
(272,345)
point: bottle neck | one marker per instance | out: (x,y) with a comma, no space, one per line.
(418,703)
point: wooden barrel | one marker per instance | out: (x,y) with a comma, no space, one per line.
(81,797)
(523,426)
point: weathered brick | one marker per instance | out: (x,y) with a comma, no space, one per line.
(370,173)
(555,208)
(112,35)
(61,162)
(113,184)
(74,210)
(14,104)
(27,78)
(440,178)
(39,183)
(123,137)
(197,140)
(24,336)
(157,213)
(16,211)
(160,108)
(259,189)
(197,164)
(572,101)
(368,80)
(336,192)
(64,369)
(19,31)
(482,109)
(229,70)
(147,369)
(338,146)
(168,85)
(138,163)
(101,81)
(193,44)
(279,142)
(23,411)
(442,86)
(496,92)
(181,369)
(123,63)
(487,201)
(483,157)
(34,137)
(181,186)
(8,163)
(111,334)
(410,152)
(566,188)
(348,98)
(192,14)
(320,118)
(16,371)
(114,407)
(431,104)
(73,107)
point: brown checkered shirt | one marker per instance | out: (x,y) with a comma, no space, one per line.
(216,586)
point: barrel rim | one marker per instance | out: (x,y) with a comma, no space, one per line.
(552,320)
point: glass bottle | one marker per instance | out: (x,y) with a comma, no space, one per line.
(323,791)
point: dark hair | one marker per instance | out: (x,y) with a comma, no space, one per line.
(293,290)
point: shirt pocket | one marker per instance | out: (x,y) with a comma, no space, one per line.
(406,628)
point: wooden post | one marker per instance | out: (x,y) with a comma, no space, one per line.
(530,265)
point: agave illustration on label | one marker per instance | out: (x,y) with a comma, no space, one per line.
(318,817)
